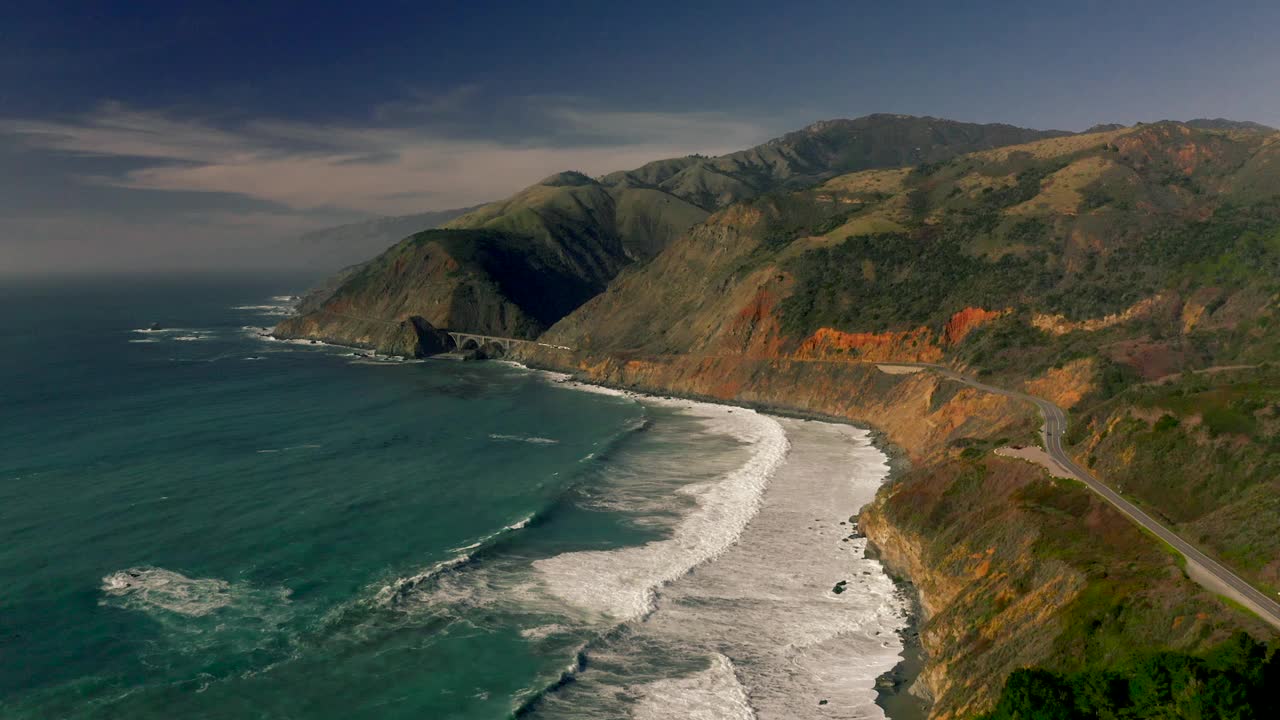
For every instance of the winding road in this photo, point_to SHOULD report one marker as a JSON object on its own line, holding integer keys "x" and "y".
{"x": 1200, "y": 567}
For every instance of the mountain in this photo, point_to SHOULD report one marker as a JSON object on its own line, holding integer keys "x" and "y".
{"x": 331, "y": 249}
{"x": 1131, "y": 276}
{"x": 818, "y": 152}
{"x": 582, "y": 232}
{"x": 1067, "y": 231}
{"x": 1224, "y": 124}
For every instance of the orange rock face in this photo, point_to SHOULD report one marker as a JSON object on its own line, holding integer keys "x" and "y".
{"x": 966, "y": 321}
{"x": 911, "y": 346}
{"x": 1065, "y": 386}
{"x": 754, "y": 330}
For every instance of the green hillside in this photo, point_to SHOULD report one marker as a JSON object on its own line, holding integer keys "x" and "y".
{"x": 593, "y": 228}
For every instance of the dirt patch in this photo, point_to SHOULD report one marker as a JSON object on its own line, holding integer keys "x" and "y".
{"x": 1037, "y": 456}
{"x": 898, "y": 369}
{"x": 1065, "y": 386}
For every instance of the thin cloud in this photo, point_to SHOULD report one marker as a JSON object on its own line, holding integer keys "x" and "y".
{"x": 374, "y": 169}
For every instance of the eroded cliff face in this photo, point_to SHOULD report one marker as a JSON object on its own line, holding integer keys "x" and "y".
{"x": 1014, "y": 570}
{"x": 923, "y": 414}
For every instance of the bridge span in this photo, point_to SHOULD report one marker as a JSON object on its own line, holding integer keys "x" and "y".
{"x": 469, "y": 341}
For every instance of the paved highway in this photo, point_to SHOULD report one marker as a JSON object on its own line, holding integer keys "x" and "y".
{"x": 1055, "y": 424}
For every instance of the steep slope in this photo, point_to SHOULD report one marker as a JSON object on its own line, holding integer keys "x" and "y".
{"x": 450, "y": 279}
{"x": 1089, "y": 231}
{"x": 595, "y": 228}
{"x": 1078, "y": 268}
{"x": 332, "y": 249}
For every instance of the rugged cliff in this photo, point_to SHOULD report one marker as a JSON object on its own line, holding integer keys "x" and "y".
{"x": 1078, "y": 268}
{"x": 570, "y": 235}
{"x": 1081, "y": 268}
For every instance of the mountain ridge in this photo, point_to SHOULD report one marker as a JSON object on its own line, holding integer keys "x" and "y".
{"x": 594, "y": 228}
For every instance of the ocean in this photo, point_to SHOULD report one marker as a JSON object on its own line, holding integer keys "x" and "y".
{"x": 199, "y": 522}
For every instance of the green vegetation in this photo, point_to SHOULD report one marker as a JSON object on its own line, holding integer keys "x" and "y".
{"x": 916, "y": 281}
{"x": 1052, "y": 577}
{"x": 1209, "y": 463}
{"x": 1239, "y": 680}
{"x": 963, "y": 248}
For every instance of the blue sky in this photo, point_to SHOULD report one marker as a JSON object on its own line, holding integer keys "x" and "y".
{"x": 151, "y": 134}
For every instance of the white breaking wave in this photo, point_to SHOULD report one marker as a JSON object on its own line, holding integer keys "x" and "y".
{"x": 713, "y": 694}
{"x": 152, "y": 587}
{"x": 177, "y": 334}
{"x": 769, "y": 602}
{"x": 622, "y": 583}
{"x": 542, "y": 632}
{"x": 271, "y": 309}
{"x": 525, "y": 439}
{"x": 392, "y": 593}
{"x": 279, "y": 305}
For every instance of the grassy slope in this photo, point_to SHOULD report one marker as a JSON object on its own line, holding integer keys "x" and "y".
{"x": 1203, "y": 452}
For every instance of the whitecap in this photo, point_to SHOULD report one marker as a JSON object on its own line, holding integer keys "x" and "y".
{"x": 281, "y": 310}
{"x": 161, "y": 331}
{"x": 391, "y": 594}
{"x": 532, "y": 439}
{"x": 542, "y": 632}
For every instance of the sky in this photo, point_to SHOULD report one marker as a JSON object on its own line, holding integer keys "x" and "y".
{"x": 149, "y": 135}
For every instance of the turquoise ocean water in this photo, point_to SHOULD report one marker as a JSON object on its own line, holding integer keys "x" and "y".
{"x": 198, "y": 523}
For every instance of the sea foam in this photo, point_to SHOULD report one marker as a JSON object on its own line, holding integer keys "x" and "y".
{"x": 713, "y": 694}
{"x": 622, "y": 583}
{"x": 768, "y": 603}
{"x": 153, "y": 587}
{"x": 532, "y": 439}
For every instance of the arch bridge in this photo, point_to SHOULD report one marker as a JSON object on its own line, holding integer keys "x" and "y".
{"x": 469, "y": 341}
